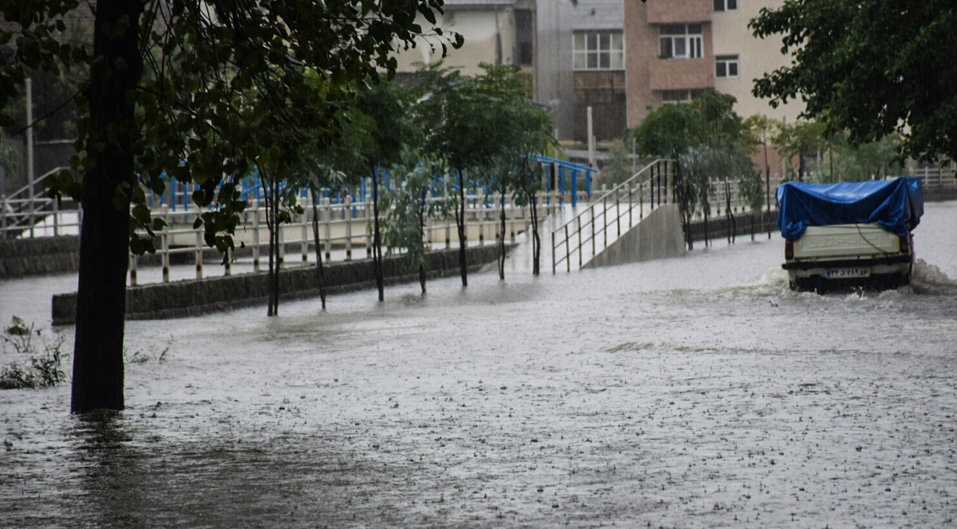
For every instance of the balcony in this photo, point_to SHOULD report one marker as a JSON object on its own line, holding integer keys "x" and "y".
{"x": 681, "y": 74}
{"x": 687, "y": 11}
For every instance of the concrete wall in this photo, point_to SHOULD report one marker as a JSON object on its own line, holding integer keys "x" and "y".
{"x": 188, "y": 298}
{"x": 40, "y": 256}
{"x": 657, "y": 236}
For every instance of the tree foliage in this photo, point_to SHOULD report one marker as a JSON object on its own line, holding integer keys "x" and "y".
{"x": 870, "y": 67}
{"x": 709, "y": 140}
{"x": 202, "y": 91}
{"x": 472, "y": 121}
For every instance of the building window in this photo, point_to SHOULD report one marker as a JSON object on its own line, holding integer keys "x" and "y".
{"x": 726, "y": 66}
{"x": 599, "y": 50}
{"x": 681, "y": 41}
{"x": 679, "y": 96}
{"x": 725, "y": 5}
{"x": 524, "y": 37}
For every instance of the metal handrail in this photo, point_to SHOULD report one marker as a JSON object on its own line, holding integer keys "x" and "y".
{"x": 21, "y": 210}
{"x": 586, "y": 228}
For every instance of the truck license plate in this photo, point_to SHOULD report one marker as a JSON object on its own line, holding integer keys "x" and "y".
{"x": 847, "y": 273}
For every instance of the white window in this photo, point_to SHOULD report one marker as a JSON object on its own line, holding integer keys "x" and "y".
{"x": 680, "y": 41}
{"x": 726, "y": 66}
{"x": 725, "y": 5}
{"x": 599, "y": 50}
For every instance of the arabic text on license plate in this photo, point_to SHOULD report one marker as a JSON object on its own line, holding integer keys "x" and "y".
{"x": 847, "y": 273}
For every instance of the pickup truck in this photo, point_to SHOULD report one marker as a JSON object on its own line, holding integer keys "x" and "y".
{"x": 849, "y": 234}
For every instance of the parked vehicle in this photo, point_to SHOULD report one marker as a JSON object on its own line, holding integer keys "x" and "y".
{"x": 849, "y": 234}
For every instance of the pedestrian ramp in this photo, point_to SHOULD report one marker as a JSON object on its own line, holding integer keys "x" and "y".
{"x": 636, "y": 220}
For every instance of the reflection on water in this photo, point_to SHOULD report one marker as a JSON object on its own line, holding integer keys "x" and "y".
{"x": 110, "y": 476}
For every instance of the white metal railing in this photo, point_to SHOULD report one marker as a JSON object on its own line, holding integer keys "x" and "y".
{"x": 344, "y": 229}
{"x": 26, "y": 212}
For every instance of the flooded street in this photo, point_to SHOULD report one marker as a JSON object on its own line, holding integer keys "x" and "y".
{"x": 696, "y": 392}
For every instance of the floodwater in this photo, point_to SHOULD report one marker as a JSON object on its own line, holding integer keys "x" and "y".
{"x": 690, "y": 392}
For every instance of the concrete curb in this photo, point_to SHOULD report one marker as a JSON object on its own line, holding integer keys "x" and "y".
{"x": 186, "y": 298}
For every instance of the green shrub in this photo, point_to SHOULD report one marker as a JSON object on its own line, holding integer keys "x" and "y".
{"x": 43, "y": 369}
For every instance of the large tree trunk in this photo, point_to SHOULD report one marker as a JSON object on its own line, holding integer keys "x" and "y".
{"x": 104, "y": 239}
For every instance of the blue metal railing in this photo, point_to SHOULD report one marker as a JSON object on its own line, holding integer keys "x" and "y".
{"x": 561, "y": 178}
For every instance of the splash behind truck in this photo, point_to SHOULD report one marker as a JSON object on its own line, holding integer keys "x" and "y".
{"x": 849, "y": 234}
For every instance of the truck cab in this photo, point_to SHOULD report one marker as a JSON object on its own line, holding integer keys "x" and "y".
{"x": 853, "y": 234}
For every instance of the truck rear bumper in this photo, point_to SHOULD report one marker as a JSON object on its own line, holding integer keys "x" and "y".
{"x": 879, "y": 273}
{"x": 798, "y": 264}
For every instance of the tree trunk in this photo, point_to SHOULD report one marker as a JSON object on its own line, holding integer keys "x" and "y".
{"x": 315, "y": 235}
{"x": 423, "y": 203}
{"x": 271, "y": 197}
{"x": 377, "y": 238}
{"x": 501, "y": 240}
{"x": 104, "y": 240}
{"x": 278, "y": 248}
{"x": 460, "y": 224}
{"x": 536, "y": 240}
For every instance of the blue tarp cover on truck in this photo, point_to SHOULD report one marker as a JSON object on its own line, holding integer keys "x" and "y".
{"x": 896, "y": 205}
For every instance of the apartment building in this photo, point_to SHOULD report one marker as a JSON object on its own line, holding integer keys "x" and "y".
{"x": 573, "y": 53}
{"x": 497, "y": 32}
{"x": 676, "y": 49}
{"x": 580, "y": 63}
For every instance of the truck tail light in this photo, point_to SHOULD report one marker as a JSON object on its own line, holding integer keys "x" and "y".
{"x": 905, "y": 244}
{"x": 788, "y": 249}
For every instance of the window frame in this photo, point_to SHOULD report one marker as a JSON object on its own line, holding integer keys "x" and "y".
{"x": 729, "y": 62}
{"x": 598, "y": 51}
{"x": 688, "y": 37}
{"x": 721, "y": 6}
{"x": 678, "y": 97}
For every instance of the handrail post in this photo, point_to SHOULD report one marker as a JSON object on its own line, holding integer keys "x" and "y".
{"x": 568, "y": 260}
{"x": 281, "y": 240}
{"x": 554, "y": 253}
{"x": 630, "y": 204}
{"x": 199, "y": 253}
{"x": 56, "y": 217}
{"x": 604, "y": 222}
{"x": 618, "y": 210}
{"x": 579, "y": 242}
{"x": 659, "y": 188}
{"x": 593, "y": 222}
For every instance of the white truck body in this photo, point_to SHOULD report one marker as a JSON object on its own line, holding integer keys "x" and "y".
{"x": 842, "y": 255}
